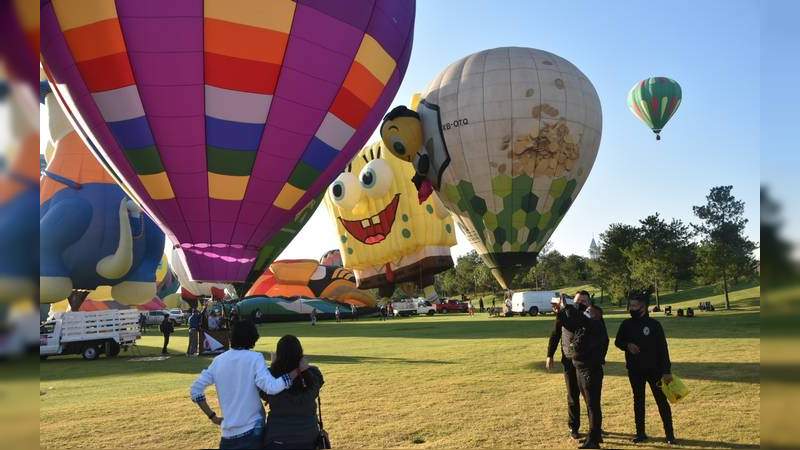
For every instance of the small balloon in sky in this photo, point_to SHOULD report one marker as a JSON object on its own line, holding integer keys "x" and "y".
{"x": 654, "y": 101}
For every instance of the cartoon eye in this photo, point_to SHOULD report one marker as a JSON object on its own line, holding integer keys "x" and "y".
{"x": 344, "y": 191}
{"x": 376, "y": 178}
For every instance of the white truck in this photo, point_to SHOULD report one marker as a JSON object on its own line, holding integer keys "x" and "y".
{"x": 424, "y": 307}
{"x": 532, "y": 302}
{"x": 405, "y": 307}
{"x": 89, "y": 333}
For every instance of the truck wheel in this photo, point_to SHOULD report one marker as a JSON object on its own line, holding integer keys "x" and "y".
{"x": 90, "y": 353}
{"x": 113, "y": 349}
{"x": 534, "y": 311}
{"x": 430, "y": 312}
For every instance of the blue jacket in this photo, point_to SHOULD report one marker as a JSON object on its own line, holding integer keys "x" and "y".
{"x": 194, "y": 321}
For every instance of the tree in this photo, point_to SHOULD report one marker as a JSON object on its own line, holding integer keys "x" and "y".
{"x": 575, "y": 269}
{"x": 724, "y": 252}
{"x": 653, "y": 258}
{"x": 614, "y": 272}
{"x": 776, "y": 263}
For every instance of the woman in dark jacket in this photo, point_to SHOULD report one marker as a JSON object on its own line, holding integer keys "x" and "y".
{"x": 292, "y": 419}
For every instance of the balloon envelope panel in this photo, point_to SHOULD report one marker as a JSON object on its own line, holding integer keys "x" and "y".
{"x": 225, "y": 119}
{"x": 520, "y": 129}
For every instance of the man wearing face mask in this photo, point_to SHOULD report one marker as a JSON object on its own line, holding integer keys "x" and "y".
{"x": 584, "y": 339}
{"x": 647, "y": 360}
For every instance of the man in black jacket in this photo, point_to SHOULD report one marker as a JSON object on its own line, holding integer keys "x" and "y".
{"x": 570, "y": 376}
{"x": 647, "y": 360}
{"x": 166, "y": 329}
{"x": 584, "y": 339}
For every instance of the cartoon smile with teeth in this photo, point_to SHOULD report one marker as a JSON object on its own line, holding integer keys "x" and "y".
{"x": 386, "y": 236}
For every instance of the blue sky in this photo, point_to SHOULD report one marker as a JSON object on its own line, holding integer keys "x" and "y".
{"x": 711, "y": 48}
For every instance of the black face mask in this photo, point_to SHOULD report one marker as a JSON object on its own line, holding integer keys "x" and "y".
{"x": 582, "y": 307}
{"x": 635, "y": 314}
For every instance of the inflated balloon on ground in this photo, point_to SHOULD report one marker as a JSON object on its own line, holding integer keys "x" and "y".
{"x": 225, "y": 119}
{"x": 507, "y": 137}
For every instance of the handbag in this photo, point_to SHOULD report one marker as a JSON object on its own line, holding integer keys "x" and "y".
{"x": 323, "y": 440}
{"x": 674, "y": 391}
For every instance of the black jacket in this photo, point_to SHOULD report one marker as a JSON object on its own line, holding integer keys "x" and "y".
{"x": 166, "y": 327}
{"x": 649, "y": 336}
{"x": 292, "y": 418}
{"x": 584, "y": 340}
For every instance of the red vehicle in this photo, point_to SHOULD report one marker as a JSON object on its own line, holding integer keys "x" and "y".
{"x": 451, "y": 306}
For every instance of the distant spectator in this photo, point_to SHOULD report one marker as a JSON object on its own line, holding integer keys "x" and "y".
{"x": 142, "y": 323}
{"x": 480, "y": 304}
{"x": 313, "y": 316}
{"x": 213, "y": 321}
{"x": 338, "y": 315}
{"x": 166, "y": 329}
{"x": 194, "y": 332}
{"x": 353, "y": 312}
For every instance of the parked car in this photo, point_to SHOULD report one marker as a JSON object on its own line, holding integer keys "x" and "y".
{"x": 178, "y": 316}
{"x": 532, "y": 302}
{"x": 156, "y": 317}
{"x": 424, "y": 307}
{"x": 451, "y": 306}
{"x": 89, "y": 333}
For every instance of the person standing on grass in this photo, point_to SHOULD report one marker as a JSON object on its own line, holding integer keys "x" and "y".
{"x": 166, "y": 329}
{"x": 338, "y": 315}
{"x": 584, "y": 339}
{"x": 194, "y": 332}
{"x": 313, "y": 316}
{"x": 238, "y": 374}
{"x": 292, "y": 421}
{"x": 647, "y": 360}
{"x": 353, "y": 312}
{"x": 570, "y": 375}
{"x": 480, "y": 304}
{"x": 142, "y": 323}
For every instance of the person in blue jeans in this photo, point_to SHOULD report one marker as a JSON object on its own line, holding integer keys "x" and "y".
{"x": 238, "y": 374}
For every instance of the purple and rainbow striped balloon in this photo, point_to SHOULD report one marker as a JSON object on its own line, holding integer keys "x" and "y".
{"x": 224, "y": 118}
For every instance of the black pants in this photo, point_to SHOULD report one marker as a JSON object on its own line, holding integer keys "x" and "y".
{"x": 638, "y": 380}
{"x": 590, "y": 383}
{"x": 573, "y": 395}
{"x": 166, "y": 342}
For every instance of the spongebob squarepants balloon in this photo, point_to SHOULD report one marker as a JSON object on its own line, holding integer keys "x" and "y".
{"x": 507, "y": 137}
{"x": 387, "y": 237}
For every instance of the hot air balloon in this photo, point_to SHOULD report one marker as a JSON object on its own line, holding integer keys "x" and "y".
{"x": 386, "y": 237}
{"x": 91, "y": 234}
{"x": 226, "y": 119}
{"x": 654, "y": 101}
{"x": 507, "y": 137}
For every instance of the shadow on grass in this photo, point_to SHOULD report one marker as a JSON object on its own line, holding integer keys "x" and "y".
{"x": 707, "y": 371}
{"x": 657, "y": 442}
{"x": 74, "y": 367}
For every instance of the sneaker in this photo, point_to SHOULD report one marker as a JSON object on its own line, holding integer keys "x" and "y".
{"x": 589, "y": 443}
{"x": 639, "y": 439}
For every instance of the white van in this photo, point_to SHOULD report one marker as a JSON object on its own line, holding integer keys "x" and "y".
{"x": 532, "y": 302}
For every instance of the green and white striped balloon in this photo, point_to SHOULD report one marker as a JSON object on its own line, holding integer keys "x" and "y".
{"x": 654, "y": 101}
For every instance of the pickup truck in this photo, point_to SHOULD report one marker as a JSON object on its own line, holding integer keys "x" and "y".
{"x": 451, "y": 306}
{"x": 89, "y": 333}
{"x": 424, "y": 307}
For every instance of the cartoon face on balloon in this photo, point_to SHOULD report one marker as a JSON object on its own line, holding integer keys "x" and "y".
{"x": 383, "y": 230}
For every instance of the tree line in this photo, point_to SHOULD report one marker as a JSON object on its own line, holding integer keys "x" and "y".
{"x": 661, "y": 254}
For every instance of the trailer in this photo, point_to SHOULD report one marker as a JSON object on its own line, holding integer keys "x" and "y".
{"x": 89, "y": 334}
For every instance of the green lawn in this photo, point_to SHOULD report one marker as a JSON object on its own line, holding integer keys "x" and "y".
{"x": 428, "y": 382}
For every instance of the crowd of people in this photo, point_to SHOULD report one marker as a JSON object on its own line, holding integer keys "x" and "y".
{"x": 290, "y": 387}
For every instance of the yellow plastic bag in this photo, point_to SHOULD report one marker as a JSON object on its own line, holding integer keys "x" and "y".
{"x": 675, "y": 391}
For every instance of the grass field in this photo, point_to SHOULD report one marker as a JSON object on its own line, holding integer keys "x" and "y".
{"x": 428, "y": 382}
